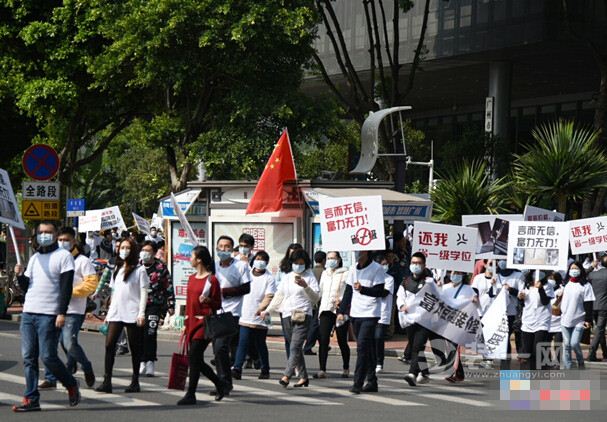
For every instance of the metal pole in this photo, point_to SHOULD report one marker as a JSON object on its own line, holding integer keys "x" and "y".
{"x": 17, "y": 255}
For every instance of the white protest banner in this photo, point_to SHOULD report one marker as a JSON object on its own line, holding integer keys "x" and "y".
{"x": 110, "y": 218}
{"x": 142, "y": 223}
{"x": 9, "y": 209}
{"x": 89, "y": 222}
{"x": 185, "y": 200}
{"x": 495, "y": 328}
{"x": 493, "y": 229}
{"x": 156, "y": 221}
{"x": 588, "y": 235}
{"x": 184, "y": 222}
{"x": 538, "y": 245}
{"x": 354, "y": 223}
{"x": 446, "y": 247}
{"x": 540, "y": 214}
{"x": 439, "y": 313}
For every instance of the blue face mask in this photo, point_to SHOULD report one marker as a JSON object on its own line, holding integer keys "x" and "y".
{"x": 45, "y": 239}
{"x": 298, "y": 268}
{"x": 224, "y": 255}
{"x": 456, "y": 278}
{"x": 260, "y": 265}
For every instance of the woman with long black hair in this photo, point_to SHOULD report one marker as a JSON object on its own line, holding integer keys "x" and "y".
{"x": 284, "y": 268}
{"x": 127, "y": 309}
{"x": 203, "y": 299}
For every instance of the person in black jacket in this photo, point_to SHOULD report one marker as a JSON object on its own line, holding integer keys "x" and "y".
{"x": 598, "y": 280}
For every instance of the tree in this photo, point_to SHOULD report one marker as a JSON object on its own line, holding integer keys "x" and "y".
{"x": 467, "y": 189}
{"x": 565, "y": 163}
{"x": 202, "y": 66}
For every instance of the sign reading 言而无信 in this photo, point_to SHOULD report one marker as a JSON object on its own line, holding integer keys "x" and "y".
{"x": 352, "y": 223}
{"x": 446, "y": 247}
{"x": 538, "y": 245}
{"x": 588, "y": 235}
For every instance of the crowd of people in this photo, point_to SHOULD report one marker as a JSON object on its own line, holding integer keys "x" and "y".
{"x": 315, "y": 297}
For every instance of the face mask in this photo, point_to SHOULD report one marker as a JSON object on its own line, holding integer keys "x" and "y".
{"x": 65, "y": 245}
{"x": 224, "y": 255}
{"x": 298, "y": 268}
{"x": 245, "y": 250}
{"x": 501, "y": 265}
{"x": 124, "y": 253}
{"x": 587, "y": 265}
{"x": 45, "y": 239}
{"x": 552, "y": 282}
{"x": 145, "y": 256}
{"x": 457, "y": 278}
{"x": 386, "y": 267}
{"x": 332, "y": 263}
{"x": 153, "y": 234}
{"x": 415, "y": 269}
{"x": 260, "y": 265}
{"x": 356, "y": 255}
{"x": 574, "y": 273}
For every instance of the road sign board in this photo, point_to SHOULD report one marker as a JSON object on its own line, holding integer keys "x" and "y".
{"x": 40, "y": 210}
{"x": 76, "y": 207}
{"x": 40, "y": 162}
{"x": 41, "y": 191}
{"x": 489, "y": 114}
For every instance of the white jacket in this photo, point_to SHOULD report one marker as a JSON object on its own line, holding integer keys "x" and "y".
{"x": 332, "y": 288}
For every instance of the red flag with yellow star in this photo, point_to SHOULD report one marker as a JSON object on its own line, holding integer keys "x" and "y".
{"x": 280, "y": 168}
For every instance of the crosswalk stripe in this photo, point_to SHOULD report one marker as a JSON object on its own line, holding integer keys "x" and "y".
{"x": 451, "y": 388}
{"x": 157, "y": 374}
{"x": 155, "y": 388}
{"x": 11, "y": 399}
{"x": 455, "y": 399}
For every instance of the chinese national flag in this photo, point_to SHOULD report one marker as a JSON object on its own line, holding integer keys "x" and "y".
{"x": 279, "y": 169}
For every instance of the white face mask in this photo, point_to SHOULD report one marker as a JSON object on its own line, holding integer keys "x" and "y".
{"x": 552, "y": 282}
{"x": 124, "y": 253}
{"x": 260, "y": 265}
{"x": 501, "y": 265}
{"x": 65, "y": 244}
{"x": 456, "y": 278}
{"x": 245, "y": 250}
{"x": 146, "y": 256}
{"x": 45, "y": 239}
{"x": 574, "y": 273}
{"x": 298, "y": 268}
{"x": 332, "y": 263}
{"x": 386, "y": 267}
{"x": 415, "y": 269}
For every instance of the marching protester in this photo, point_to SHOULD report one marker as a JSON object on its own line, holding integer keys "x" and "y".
{"x": 105, "y": 249}
{"x": 85, "y": 282}
{"x": 161, "y": 300}
{"x": 513, "y": 282}
{"x": 253, "y": 328}
{"x": 485, "y": 284}
{"x": 47, "y": 283}
{"x": 332, "y": 288}
{"x": 381, "y": 329}
{"x": 235, "y": 282}
{"x": 284, "y": 268}
{"x": 203, "y": 299}
{"x": 598, "y": 280}
{"x": 576, "y": 313}
{"x": 365, "y": 286}
{"x": 405, "y": 299}
{"x": 153, "y": 236}
{"x": 129, "y": 285}
{"x": 555, "y": 337}
{"x": 295, "y": 297}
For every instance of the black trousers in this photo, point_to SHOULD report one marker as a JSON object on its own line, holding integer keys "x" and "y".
{"x": 364, "y": 330}
{"x": 530, "y": 348}
{"x": 599, "y": 337}
{"x": 312, "y": 331}
{"x": 410, "y": 332}
{"x": 224, "y": 349}
{"x": 198, "y": 365}
{"x": 150, "y": 333}
{"x": 380, "y": 342}
{"x": 419, "y": 337}
{"x": 135, "y": 338}
{"x": 326, "y": 324}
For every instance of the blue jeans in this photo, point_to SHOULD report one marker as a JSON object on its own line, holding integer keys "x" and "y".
{"x": 248, "y": 335}
{"x": 68, "y": 339}
{"x": 571, "y": 340}
{"x": 39, "y": 338}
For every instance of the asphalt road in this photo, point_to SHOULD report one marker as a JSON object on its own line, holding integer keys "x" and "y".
{"x": 477, "y": 399}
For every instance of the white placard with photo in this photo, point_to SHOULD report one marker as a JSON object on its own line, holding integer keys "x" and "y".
{"x": 535, "y": 245}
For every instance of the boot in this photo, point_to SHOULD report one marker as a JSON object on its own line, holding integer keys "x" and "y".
{"x": 106, "y": 385}
{"x": 134, "y": 386}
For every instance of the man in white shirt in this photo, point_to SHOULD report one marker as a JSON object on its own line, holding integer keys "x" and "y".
{"x": 47, "y": 283}
{"x": 235, "y": 281}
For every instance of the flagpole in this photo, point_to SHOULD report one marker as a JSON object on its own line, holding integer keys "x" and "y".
{"x": 17, "y": 255}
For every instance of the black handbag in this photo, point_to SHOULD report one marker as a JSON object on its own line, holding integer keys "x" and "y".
{"x": 220, "y": 325}
{"x": 90, "y": 305}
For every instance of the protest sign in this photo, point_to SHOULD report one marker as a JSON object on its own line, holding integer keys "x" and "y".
{"x": 540, "y": 214}
{"x": 495, "y": 328}
{"x": 9, "y": 209}
{"x": 181, "y": 254}
{"x": 142, "y": 223}
{"x": 538, "y": 245}
{"x": 89, "y": 222}
{"x": 184, "y": 222}
{"x": 110, "y": 218}
{"x": 492, "y": 236}
{"x": 184, "y": 199}
{"x": 352, "y": 223}
{"x": 439, "y": 313}
{"x": 588, "y": 235}
{"x": 446, "y": 247}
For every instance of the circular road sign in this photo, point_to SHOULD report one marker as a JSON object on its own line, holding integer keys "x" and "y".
{"x": 40, "y": 162}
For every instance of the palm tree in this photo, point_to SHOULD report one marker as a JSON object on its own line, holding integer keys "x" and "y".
{"x": 564, "y": 164}
{"x": 467, "y": 189}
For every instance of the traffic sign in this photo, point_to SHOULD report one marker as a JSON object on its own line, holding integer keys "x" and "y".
{"x": 40, "y": 162}
{"x": 40, "y": 210}
{"x": 76, "y": 207}
{"x": 41, "y": 191}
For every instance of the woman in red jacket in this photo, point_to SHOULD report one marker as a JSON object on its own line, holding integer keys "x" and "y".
{"x": 203, "y": 299}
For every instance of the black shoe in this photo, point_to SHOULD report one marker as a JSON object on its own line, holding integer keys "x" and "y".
{"x": 236, "y": 374}
{"x": 74, "y": 395}
{"x": 213, "y": 362}
{"x": 133, "y": 388}
{"x": 27, "y": 405}
{"x": 410, "y": 378}
{"x": 89, "y": 378}
{"x": 220, "y": 393}
{"x": 225, "y": 392}
{"x": 284, "y": 383}
{"x": 301, "y": 383}
{"x": 123, "y": 351}
{"x": 310, "y": 353}
{"x": 370, "y": 388}
{"x": 187, "y": 400}
{"x": 46, "y": 385}
{"x": 264, "y": 376}
{"x": 355, "y": 390}
{"x": 594, "y": 359}
{"x": 105, "y": 387}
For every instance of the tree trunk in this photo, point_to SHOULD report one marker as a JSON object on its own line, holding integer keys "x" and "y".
{"x": 562, "y": 204}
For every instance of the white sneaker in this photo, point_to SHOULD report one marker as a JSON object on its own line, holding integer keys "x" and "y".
{"x": 142, "y": 368}
{"x": 422, "y": 379}
{"x": 149, "y": 368}
{"x": 379, "y": 369}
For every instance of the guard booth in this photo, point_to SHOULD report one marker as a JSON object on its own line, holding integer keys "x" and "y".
{"x": 216, "y": 208}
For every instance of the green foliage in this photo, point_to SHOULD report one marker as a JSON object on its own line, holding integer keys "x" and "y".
{"x": 564, "y": 164}
{"x": 467, "y": 189}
